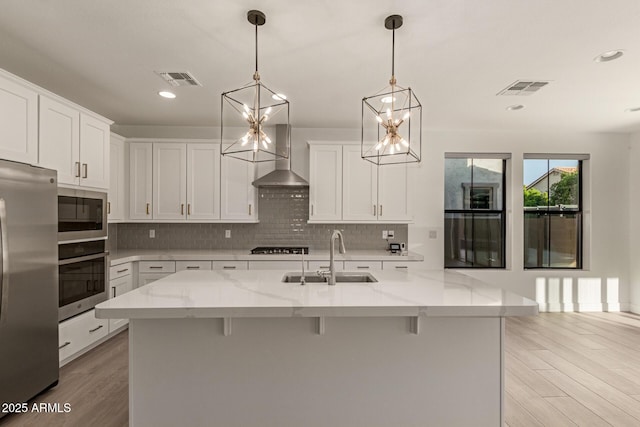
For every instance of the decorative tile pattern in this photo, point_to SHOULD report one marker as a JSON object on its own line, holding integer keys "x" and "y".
{"x": 283, "y": 222}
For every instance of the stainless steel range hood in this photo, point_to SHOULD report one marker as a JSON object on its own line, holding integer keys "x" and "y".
{"x": 283, "y": 176}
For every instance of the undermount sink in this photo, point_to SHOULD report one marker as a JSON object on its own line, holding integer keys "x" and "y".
{"x": 341, "y": 276}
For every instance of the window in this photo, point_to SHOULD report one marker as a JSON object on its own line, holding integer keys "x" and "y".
{"x": 474, "y": 216}
{"x": 552, "y": 213}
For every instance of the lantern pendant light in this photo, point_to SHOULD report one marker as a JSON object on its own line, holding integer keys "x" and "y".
{"x": 392, "y": 118}
{"x": 246, "y": 112}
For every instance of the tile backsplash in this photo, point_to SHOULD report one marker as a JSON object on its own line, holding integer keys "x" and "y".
{"x": 283, "y": 214}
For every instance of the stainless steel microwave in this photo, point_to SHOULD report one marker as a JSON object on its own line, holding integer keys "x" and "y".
{"x": 82, "y": 214}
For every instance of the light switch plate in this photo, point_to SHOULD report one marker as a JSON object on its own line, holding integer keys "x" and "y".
{"x": 227, "y": 234}
{"x": 384, "y": 234}
{"x": 152, "y": 234}
{"x": 391, "y": 234}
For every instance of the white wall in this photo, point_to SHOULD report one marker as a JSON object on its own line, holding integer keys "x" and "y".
{"x": 603, "y": 284}
{"x": 634, "y": 226}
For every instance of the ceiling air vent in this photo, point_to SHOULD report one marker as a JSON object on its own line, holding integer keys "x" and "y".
{"x": 179, "y": 78}
{"x": 524, "y": 87}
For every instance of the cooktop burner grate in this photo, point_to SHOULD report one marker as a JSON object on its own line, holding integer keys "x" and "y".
{"x": 280, "y": 250}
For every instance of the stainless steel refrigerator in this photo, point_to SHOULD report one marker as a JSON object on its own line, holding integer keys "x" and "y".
{"x": 28, "y": 281}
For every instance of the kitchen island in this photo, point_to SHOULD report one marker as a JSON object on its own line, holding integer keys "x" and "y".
{"x": 242, "y": 348}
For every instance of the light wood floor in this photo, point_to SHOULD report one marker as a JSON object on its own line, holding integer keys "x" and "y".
{"x": 562, "y": 369}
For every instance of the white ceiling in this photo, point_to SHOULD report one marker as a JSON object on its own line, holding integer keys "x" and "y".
{"x": 327, "y": 54}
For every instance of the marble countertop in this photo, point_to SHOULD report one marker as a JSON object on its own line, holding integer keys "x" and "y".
{"x": 128, "y": 255}
{"x": 261, "y": 293}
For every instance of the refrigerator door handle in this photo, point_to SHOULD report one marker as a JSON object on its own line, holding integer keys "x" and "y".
{"x": 4, "y": 260}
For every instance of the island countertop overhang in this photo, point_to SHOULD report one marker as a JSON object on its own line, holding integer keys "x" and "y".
{"x": 261, "y": 293}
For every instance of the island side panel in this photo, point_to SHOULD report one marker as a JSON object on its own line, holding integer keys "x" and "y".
{"x": 280, "y": 372}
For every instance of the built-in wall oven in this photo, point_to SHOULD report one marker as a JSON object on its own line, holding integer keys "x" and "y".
{"x": 82, "y": 214}
{"x": 82, "y": 269}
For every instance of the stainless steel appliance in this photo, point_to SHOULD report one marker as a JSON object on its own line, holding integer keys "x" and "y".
{"x": 280, "y": 250}
{"x": 28, "y": 282}
{"x": 82, "y": 214}
{"x": 82, "y": 277}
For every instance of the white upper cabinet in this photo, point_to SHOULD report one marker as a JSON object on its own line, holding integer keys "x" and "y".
{"x": 345, "y": 188}
{"x": 169, "y": 181}
{"x": 238, "y": 195}
{"x": 140, "y": 180}
{"x": 95, "y": 139}
{"x": 203, "y": 181}
{"x": 74, "y": 143}
{"x": 325, "y": 183}
{"x": 179, "y": 181}
{"x": 392, "y": 193}
{"x": 18, "y": 122}
{"x": 60, "y": 140}
{"x": 117, "y": 177}
{"x": 359, "y": 188}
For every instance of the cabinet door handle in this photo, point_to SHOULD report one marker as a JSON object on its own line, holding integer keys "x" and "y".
{"x": 60, "y": 347}
{"x": 363, "y": 267}
{"x": 311, "y": 210}
{"x": 108, "y": 207}
{"x": 113, "y": 289}
{"x": 155, "y": 267}
{"x": 77, "y": 169}
{"x": 402, "y": 266}
{"x": 229, "y": 267}
{"x": 85, "y": 173}
{"x": 147, "y": 208}
{"x": 380, "y": 210}
{"x": 374, "y": 210}
{"x": 182, "y": 209}
{"x": 122, "y": 271}
{"x": 95, "y": 329}
{"x": 249, "y": 209}
{"x": 188, "y": 208}
{"x": 193, "y": 267}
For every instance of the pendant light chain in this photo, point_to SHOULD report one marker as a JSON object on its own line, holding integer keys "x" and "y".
{"x": 256, "y": 76}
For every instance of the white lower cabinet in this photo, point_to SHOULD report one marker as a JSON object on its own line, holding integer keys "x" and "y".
{"x": 324, "y": 265}
{"x": 193, "y": 265}
{"x": 119, "y": 286}
{"x": 79, "y": 333}
{"x": 150, "y": 271}
{"x": 396, "y": 265}
{"x": 276, "y": 265}
{"x": 362, "y": 265}
{"x": 230, "y": 265}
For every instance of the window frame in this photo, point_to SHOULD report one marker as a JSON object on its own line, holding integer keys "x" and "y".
{"x": 467, "y": 190}
{"x": 558, "y": 211}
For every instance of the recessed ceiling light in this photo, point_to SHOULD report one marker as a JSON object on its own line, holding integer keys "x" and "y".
{"x": 279, "y": 97}
{"x": 515, "y": 107}
{"x": 632, "y": 110}
{"x": 167, "y": 94}
{"x": 609, "y": 56}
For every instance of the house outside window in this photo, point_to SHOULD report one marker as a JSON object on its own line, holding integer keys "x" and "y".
{"x": 553, "y": 212}
{"x": 475, "y": 210}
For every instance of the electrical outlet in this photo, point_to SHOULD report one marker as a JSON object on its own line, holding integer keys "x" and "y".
{"x": 391, "y": 234}
{"x": 152, "y": 234}
{"x": 227, "y": 234}
{"x": 385, "y": 234}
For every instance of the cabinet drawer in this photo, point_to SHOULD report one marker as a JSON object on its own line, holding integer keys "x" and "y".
{"x": 362, "y": 265}
{"x": 324, "y": 265}
{"x": 193, "y": 265}
{"x": 146, "y": 278}
{"x": 79, "y": 332}
{"x": 275, "y": 265}
{"x": 157, "y": 267}
{"x": 120, "y": 270}
{"x": 395, "y": 265}
{"x": 230, "y": 265}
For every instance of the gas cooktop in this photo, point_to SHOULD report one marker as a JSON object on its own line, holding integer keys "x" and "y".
{"x": 280, "y": 250}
